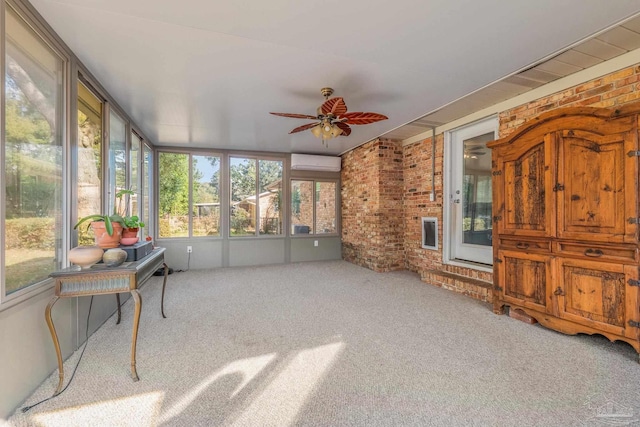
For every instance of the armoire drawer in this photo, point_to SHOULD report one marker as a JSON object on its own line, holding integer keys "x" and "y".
{"x": 525, "y": 244}
{"x": 599, "y": 252}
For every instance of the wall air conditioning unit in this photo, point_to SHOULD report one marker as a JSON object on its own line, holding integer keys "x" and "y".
{"x": 307, "y": 162}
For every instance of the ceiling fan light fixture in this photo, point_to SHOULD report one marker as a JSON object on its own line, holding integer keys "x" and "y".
{"x": 317, "y": 131}
{"x": 334, "y": 120}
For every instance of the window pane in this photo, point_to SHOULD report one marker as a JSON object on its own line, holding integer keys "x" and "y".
{"x": 117, "y": 157}
{"x": 173, "y": 213}
{"x": 89, "y": 159}
{"x": 243, "y": 196}
{"x": 206, "y": 196}
{"x": 476, "y": 197}
{"x": 134, "y": 179}
{"x": 147, "y": 185}
{"x": 325, "y": 207}
{"x": 33, "y": 157}
{"x": 302, "y": 207}
{"x": 270, "y": 192}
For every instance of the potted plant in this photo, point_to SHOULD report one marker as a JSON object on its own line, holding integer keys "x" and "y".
{"x": 107, "y": 229}
{"x": 132, "y": 225}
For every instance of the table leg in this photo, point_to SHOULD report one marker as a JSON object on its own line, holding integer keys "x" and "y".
{"x": 164, "y": 284}
{"x": 134, "y": 338}
{"x": 119, "y": 314}
{"x": 56, "y": 344}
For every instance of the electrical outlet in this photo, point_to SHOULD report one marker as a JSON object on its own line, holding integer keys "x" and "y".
{"x": 315, "y": 243}
{"x": 189, "y": 249}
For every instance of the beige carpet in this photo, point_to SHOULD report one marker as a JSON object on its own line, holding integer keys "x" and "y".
{"x": 333, "y": 344}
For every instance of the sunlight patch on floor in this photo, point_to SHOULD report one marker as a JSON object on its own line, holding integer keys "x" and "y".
{"x": 248, "y": 368}
{"x": 281, "y": 400}
{"x": 136, "y": 411}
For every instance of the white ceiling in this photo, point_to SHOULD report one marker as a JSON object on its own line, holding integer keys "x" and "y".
{"x": 205, "y": 74}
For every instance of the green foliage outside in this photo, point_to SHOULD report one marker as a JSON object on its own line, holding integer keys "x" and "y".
{"x": 33, "y": 171}
{"x": 24, "y": 123}
{"x": 30, "y": 233}
{"x": 240, "y": 221}
{"x": 174, "y": 184}
{"x": 243, "y": 177}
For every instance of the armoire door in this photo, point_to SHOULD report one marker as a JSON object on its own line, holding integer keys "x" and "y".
{"x": 597, "y": 186}
{"x": 598, "y": 295}
{"x": 524, "y": 185}
{"x": 525, "y": 279}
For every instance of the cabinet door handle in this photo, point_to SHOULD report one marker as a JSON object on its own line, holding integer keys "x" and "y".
{"x": 521, "y": 245}
{"x": 558, "y": 291}
{"x": 593, "y": 253}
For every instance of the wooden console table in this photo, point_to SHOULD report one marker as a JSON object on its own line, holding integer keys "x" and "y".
{"x": 100, "y": 280}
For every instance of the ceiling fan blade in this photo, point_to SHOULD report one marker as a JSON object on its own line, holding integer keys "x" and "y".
{"x": 304, "y": 127}
{"x": 335, "y": 106}
{"x": 360, "y": 118}
{"x": 346, "y": 130}
{"x": 295, "y": 116}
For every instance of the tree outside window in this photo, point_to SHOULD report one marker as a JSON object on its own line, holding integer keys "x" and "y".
{"x": 179, "y": 174}
{"x": 256, "y": 196}
{"x": 173, "y": 182}
{"x": 33, "y": 179}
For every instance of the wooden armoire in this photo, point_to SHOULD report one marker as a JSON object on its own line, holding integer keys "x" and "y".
{"x": 566, "y": 219}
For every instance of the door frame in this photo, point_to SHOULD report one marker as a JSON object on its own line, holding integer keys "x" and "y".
{"x": 484, "y": 125}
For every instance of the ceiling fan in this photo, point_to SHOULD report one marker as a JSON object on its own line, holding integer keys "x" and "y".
{"x": 333, "y": 119}
{"x": 473, "y": 151}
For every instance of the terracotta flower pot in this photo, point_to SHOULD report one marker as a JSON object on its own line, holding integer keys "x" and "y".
{"x": 130, "y": 232}
{"x": 103, "y": 239}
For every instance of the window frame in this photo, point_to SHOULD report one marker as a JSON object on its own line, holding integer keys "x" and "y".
{"x": 257, "y": 157}
{"x": 30, "y": 21}
{"x": 314, "y": 185}
{"x": 189, "y": 154}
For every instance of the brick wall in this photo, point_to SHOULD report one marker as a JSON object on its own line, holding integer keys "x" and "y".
{"x": 618, "y": 88}
{"x": 302, "y": 208}
{"x": 366, "y": 197}
{"x": 326, "y": 207}
{"x": 372, "y": 212}
{"x": 417, "y": 161}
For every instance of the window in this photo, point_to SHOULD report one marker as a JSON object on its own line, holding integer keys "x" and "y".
{"x": 89, "y": 164}
{"x": 147, "y": 185}
{"x": 117, "y": 157}
{"x": 256, "y": 194}
{"x": 134, "y": 174}
{"x": 189, "y": 203}
{"x": 205, "y": 209}
{"x": 173, "y": 180}
{"x": 32, "y": 157}
{"x": 313, "y": 207}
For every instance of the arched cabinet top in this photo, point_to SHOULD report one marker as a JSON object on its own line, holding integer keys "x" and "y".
{"x": 596, "y": 120}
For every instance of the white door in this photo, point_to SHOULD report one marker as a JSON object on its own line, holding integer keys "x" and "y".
{"x": 470, "y": 192}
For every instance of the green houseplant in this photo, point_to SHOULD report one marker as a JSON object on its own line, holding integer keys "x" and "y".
{"x": 131, "y": 226}
{"x": 107, "y": 229}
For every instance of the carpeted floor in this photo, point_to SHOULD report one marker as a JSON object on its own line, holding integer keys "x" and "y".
{"x": 333, "y": 344}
